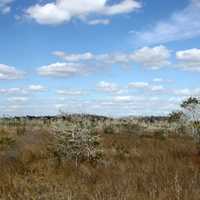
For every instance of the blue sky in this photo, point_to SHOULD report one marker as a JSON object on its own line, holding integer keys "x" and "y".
{"x": 117, "y": 57}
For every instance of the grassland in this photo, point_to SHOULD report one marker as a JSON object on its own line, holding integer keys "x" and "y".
{"x": 122, "y": 159}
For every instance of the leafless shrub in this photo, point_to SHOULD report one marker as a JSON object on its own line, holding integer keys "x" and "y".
{"x": 76, "y": 143}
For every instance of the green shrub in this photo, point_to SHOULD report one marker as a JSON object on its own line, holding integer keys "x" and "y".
{"x": 6, "y": 142}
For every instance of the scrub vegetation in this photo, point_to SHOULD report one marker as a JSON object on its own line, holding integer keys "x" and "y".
{"x": 86, "y": 157}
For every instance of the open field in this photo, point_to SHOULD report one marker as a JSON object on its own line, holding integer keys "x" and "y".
{"x": 99, "y": 99}
{"x": 126, "y": 162}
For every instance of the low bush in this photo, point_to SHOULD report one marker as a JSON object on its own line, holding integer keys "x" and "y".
{"x": 76, "y": 143}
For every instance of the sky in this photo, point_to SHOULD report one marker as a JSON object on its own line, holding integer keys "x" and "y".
{"x": 105, "y": 57}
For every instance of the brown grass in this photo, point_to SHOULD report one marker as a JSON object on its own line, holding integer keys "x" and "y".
{"x": 132, "y": 168}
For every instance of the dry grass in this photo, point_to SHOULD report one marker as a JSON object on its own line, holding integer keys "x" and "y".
{"x": 132, "y": 168}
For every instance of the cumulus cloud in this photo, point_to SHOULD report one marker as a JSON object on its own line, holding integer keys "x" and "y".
{"x": 131, "y": 105}
{"x": 158, "y": 80}
{"x": 5, "y": 6}
{"x": 99, "y": 21}
{"x": 146, "y": 86}
{"x": 151, "y": 57}
{"x": 122, "y": 99}
{"x": 117, "y": 105}
{"x": 186, "y": 92}
{"x": 161, "y": 80}
{"x": 61, "y": 70}
{"x": 189, "y": 59}
{"x": 70, "y": 92}
{"x": 157, "y": 88}
{"x": 88, "y": 57}
{"x": 22, "y": 90}
{"x": 74, "y": 57}
{"x": 138, "y": 85}
{"x": 10, "y": 73}
{"x": 61, "y": 11}
{"x": 18, "y": 99}
{"x": 36, "y": 88}
{"x": 8, "y": 91}
{"x": 108, "y": 87}
{"x": 183, "y": 24}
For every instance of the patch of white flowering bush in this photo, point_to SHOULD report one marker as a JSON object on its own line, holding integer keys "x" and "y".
{"x": 77, "y": 142}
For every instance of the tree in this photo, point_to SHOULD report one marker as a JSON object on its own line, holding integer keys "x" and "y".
{"x": 77, "y": 142}
{"x": 191, "y": 113}
{"x": 191, "y": 101}
{"x": 175, "y": 116}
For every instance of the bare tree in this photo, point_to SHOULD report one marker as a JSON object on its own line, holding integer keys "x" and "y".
{"x": 191, "y": 114}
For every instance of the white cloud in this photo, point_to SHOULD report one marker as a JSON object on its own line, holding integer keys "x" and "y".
{"x": 18, "y": 99}
{"x": 22, "y": 91}
{"x": 125, "y": 6}
{"x": 60, "y": 106}
{"x": 115, "y": 58}
{"x": 108, "y": 87}
{"x": 183, "y": 24}
{"x": 36, "y": 88}
{"x": 62, "y": 11}
{"x": 189, "y": 59}
{"x": 128, "y": 101}
{"x": 61, "y": 70}
{"x": 138, "y": 85}
{"x": 161, "y": 80}
{"x": 9, "y": 91}
{"x": 123, "y": 105}
{"x": 186, "y": 92}
{"x": 99, "y": 21}
{"x": 146, "y": 86}
{"x": 10, "y": 73}
{"x": 122, "y": 99}
{"x": 74, "y": 57}
{"x": 183, "y": 92}
{"x": 5, "y": 6}
{"x": 153, "y": 58}
{"x": 88, "y": 56}
{"x": 176, "y": 99}
{"x": 158, "y": 80}
{"x": 157, "y": 88}
{"x": 70, "y": 92}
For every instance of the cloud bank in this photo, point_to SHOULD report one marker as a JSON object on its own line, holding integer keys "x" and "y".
{"x": 61, "y": 11}
{"x": 10, "y": 73}
{"x": 183, "y": 24}
{"x": 5, "y": 6}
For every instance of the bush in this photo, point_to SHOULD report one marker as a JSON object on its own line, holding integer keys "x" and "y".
{"x": 108, "y": 129}
{"x": 76, "y": 143}
{"x": 6, "y": 142}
